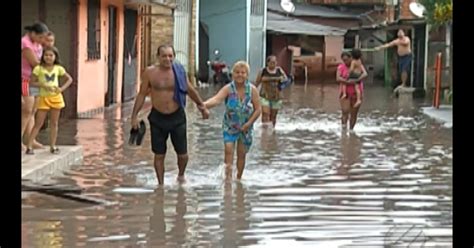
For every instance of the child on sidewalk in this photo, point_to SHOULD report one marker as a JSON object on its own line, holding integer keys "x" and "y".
{"x": 47, "y": 75}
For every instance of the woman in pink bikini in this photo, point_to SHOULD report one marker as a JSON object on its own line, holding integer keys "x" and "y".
{"x": 348, "y": 104}
{"x": 31, "y": 51}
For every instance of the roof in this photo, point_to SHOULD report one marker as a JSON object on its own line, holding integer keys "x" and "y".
{"x": 412, "y": 21}
{"x": 392, "y": 25}
{"x": 311, "y": 10}
{"x": 287, "y": 25}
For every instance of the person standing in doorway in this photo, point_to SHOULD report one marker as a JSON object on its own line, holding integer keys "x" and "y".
{"x": 168, "y": 85}
{"x": 403, "y": 45}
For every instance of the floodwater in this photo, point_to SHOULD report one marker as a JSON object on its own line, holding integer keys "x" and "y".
{"x": 388, "y": 184}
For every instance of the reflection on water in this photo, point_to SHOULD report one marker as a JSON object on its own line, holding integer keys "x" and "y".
{"x": 172, "y": 233}
{"x": 306, "y": 183}
{"x": 235, "y": 215}
{"x": 351, "y": 146}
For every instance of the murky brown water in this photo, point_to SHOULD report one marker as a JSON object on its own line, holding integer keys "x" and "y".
{"x": 387, "y": 185}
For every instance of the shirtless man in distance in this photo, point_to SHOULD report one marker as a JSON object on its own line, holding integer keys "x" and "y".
{"x": 403, "y": 45}
{"x": 167, "y": 117}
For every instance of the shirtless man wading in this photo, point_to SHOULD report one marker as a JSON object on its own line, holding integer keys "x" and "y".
{"x": 168, "y": 84}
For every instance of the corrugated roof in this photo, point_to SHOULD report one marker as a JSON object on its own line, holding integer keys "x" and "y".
{"x": 311, "y": 10}
{"x": 282, "y": 24}
{"x": 392, "y": 25}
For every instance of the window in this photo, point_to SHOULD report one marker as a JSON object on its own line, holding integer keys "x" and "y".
{"x": 93, "y": 29}
{"x": 305, "y": 52}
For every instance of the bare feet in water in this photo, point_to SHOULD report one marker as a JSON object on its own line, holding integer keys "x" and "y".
{"x": 37, "y": 145}
{"x": 344, "y": 127}
{"x": 228, "y": 172}
{"x": 181, "y": 179}
{"x": 398, "y": 88}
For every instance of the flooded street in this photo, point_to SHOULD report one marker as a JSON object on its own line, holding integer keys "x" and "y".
{"x": 388, "y": 184}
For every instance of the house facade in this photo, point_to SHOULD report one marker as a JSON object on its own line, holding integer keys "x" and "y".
{"x": 97, "y": 41}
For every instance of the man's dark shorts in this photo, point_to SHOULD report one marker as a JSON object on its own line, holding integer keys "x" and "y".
{"x": 164, "y": 125}
{"x": 404, "y": 63}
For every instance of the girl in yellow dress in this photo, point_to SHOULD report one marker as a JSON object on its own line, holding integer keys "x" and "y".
{"x": 47, "y": 75}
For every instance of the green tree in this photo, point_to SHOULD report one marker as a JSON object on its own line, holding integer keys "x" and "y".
{"x": 438, "y": 12}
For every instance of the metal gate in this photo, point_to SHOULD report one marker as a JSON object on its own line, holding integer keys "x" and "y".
{"x": 257, "y": 37}
{"x": 182, "y": 24}
{"x": 112, "y": 57}
{"x": 203, "y": 52}
{"x": 130, "y": 56}
{"x": 61, "y": 18}
{"x": 419, "y": 50}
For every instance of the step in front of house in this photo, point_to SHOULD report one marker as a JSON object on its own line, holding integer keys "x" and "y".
{"x": 443, "y": 114}
{"x": 43, "y": 164}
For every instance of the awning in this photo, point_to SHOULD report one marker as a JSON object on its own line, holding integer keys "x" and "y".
{"x": 393, "y": 25}
{"x": 311, "y": 10}
{"x": 286, "y": 25}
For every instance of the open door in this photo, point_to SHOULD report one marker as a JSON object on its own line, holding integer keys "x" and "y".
{"x": 203, "y": 52}
{"x": 112, "y": 57}
{"x": 419, "y": 51}
{"x": 129, "y": 85}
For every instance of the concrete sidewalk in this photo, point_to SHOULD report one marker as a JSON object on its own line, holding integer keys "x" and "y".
{"x": 43, "y": 164}
{"x": 444, "y": 114}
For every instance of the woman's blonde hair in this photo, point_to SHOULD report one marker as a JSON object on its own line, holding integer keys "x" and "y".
{"x": 241, "y": 64}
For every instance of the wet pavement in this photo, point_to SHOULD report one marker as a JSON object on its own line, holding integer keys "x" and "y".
{"x": 388, "y": 184}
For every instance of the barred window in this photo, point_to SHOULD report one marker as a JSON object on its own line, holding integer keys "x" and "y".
{"x": 93, "y": 29}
